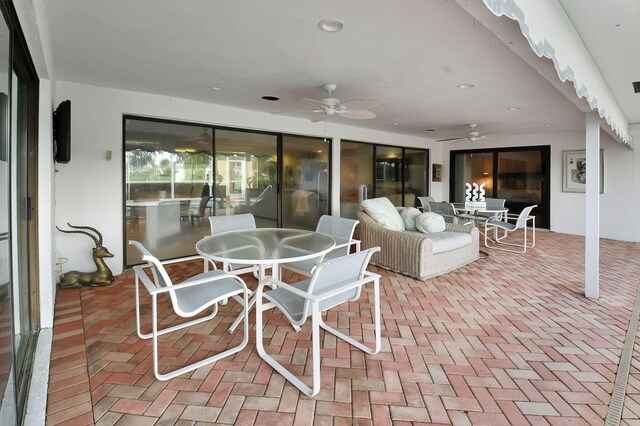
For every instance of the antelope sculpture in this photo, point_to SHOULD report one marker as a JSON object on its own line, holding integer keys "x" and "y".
{"x": 103, "y": 276}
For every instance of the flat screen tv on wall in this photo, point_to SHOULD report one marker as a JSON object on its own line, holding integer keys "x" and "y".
{"x": 62, "y": 132}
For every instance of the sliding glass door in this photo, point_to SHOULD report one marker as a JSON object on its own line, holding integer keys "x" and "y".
{"x": 519, "y": 175}
{"x": 356, "y": 171}
{"x": 168, "y": 176}
{"x": 305, "y": 196}
{"x": 177, "y": 174}
{"x": 246, "y": 179}
{"x": 8, "y": 412}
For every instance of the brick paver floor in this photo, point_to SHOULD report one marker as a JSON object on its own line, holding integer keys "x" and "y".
{"x": 506, "y": 340}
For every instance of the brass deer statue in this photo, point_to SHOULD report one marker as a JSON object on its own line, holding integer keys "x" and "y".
{"x": 103, "y": 276}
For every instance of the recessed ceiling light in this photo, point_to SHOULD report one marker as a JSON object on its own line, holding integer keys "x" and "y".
{"x": 395, "y": 124}
{"x": 513, "y": 108}
{"x": 331, "y": 25}
{"x": 431, "y": 130}
{"x": 271, "y": 98}
{"x": 617, "y": 25}
{"x": 215, "y": 88}
{"x": 636, "y": 86}
{"x": 549, "y": 125}
{"x": 465, "y": 86}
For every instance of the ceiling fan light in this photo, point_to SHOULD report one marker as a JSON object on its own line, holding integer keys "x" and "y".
{"x": 331, "y": 25}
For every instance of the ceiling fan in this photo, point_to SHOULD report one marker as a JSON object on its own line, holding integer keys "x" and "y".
{"x": 472, "y": 135}
{"x": 202, "y": 138}
{"x": 357, "y": 109}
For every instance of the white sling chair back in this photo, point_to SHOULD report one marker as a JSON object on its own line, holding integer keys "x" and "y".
{"x": 333, "y": 282}
{"x": 424, "y": 201}
{"x": 520, "y": 223}
{"x": 448, "y": 212}
{"x": 338, "y": 228}
{"x": 188, "y": 299}
{"x": 236, "y": 222}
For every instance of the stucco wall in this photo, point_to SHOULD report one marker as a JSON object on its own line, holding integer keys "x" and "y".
{"x": 89, "y": 188}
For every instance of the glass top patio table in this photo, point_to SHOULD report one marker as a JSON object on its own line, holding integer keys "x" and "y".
{"x": 265, "y": 246}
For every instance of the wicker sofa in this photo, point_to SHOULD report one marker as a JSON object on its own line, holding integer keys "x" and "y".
{"x": 412, "y": 253}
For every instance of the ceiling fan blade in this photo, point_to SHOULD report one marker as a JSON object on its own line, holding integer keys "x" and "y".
{"x": 451, "y": 139}
{"x": 296, "y": 110}
{"x": 318, "y": 117}
{"x": 313, "y": 102}
{"x": 362, "y": 103}
{"x": 357, "y": 114}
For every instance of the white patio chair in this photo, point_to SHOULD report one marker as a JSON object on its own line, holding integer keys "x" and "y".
{"x": 188, "y": 299}
{"x": 424, "y": 201}
{"x": 236, "y": 222}
{"x": 494, "y": 204}
{"x": 333, "y": 282}
{"x": 338, "y": 228}
{"x": 494, "y": 224}
{"x": 449, "y": 212}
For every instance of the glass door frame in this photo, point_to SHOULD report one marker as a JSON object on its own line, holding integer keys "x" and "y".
{"x": 545, "y": 154}
{"x": 22, "y": 65}
{"x": 403, "y": 168}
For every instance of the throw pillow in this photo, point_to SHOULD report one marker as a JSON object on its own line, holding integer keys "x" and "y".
{"x": 384, "y": 213}
{"x": 409, "y": 216}
{"x": 430, "y": 222}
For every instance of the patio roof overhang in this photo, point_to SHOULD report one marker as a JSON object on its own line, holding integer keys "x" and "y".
{"x": 551, "y": 34}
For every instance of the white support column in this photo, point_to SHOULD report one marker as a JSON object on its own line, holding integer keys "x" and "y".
{"x": 335, "y": 177}
{"x": 592, "y": 208}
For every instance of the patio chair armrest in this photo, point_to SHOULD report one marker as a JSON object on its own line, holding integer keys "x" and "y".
{"x": 369, "y": 278}
{"x": 348, "y": 244}
{"x": 182, "y": 259}
{"x": 139, "y": 271}
{"x": 188, "y": 258}
{"x": 284, "y": 286}
{"x": 154, "y": 290}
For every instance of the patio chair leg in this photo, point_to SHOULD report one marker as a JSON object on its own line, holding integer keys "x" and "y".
{"x": 198, "y": 364}
{"x": 316, "y": 320}
{"x": 376, "y": 321}
{"x": 168, "y": 329}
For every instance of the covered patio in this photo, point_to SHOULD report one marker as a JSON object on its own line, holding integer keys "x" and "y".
{"x": 510, "y": 339}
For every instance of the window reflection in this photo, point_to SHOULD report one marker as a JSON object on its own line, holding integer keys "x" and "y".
{"x": 246, "y": 176}
{"x": 168, "y": 176}
{"x": 306, "y": 181}
{"x": 356, "y": 169}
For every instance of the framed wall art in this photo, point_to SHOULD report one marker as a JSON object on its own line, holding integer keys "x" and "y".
{"x": 574, "y": 171}
{"x": 436, "y": 174}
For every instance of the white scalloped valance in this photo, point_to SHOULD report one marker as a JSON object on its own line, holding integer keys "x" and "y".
{"x": 552, "y": 35}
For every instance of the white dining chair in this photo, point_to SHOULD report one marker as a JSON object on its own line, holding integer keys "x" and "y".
{"x": 338, "y": 228}
{"x": 188, "y": 299}
{"x": 424, "y": 203}
{"x": 236, "y": 222}
{"x": 333, "y": 282}
{"x": 495, "y": 223}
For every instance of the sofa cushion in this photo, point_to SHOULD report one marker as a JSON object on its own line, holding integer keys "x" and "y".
{"x": 384, "y": 213}
{"x": 445, "y": 241}
{"x": 409, "y": 216}
{"x": 430, "y": 222}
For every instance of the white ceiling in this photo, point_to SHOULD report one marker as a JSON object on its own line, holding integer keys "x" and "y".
{"x": 410, "y": 54}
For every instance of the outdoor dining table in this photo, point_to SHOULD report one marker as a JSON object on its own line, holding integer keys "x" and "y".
{"x": 265, "y": 247}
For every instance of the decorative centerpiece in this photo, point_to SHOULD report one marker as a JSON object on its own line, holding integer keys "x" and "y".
{"x": 102, "y": 276}
{"x": 475, "y": 196}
